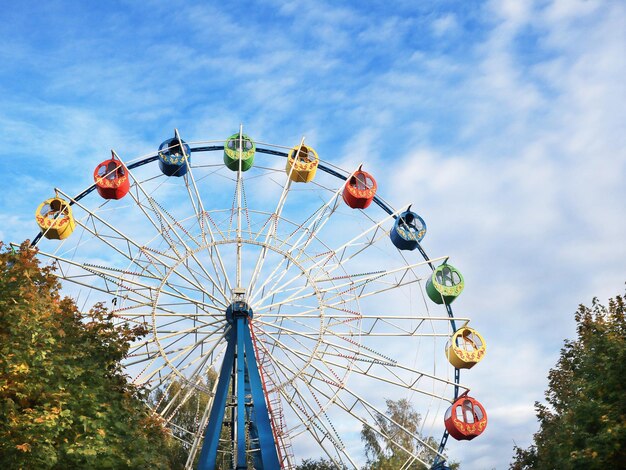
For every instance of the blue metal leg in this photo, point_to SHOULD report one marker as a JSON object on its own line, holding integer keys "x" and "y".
{"x": 269, "y": 455}
{"x": 246, "y": 382}
{"x": 241, "y": 394}
{"x": 208, "y": 455}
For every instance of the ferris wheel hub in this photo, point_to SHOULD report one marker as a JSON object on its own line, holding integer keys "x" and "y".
{"x": 237, "y": 309}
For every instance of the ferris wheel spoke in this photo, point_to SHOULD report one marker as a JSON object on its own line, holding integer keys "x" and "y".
{"x": 166, "y": 227}
{"x": 309, "y": 409}
{"x": 390, "y": 325}
{"x": 151, "y": 354}
{"x": 203, "y": 223}
{"x": 316, "y": 429}
{"x": 275, "y": 272}
{"x": 178, "y": 360}
{"x": 178, "y": 353}
{"x": 117, "y": 236}
{"x": 370, "y": 235}
{"x": 164, "y": 335}
{"x": 118, "y": 280}
{"x": 217, "y": 323}
{"x": 314, "y": 225}
{"x": 371, "y": 362}
{"x": 155, "y": 379}
{"x": 363, "y": 294}
{"x": 392, "y": 370}
{"x": 188, "y": 387}
{"x": 162, "y": 227}
{"x": 346, "y": 345}
{"x": 237, "y": 207}
{"x": 192, "y": 191}
{"x": 308, "y": 357}
{"x": 325, "y": 380}
{"x": 288, "y": 301}
{"x": 199, "y": 276}
{"x": 273, "y": 225}
{"x": 358, "y": 282}
{"x": 91, "y": 281}
{"x": 377, "y": 416}
{"x": 323, "y": 433}
{"x": 199, "y": 433}
{"x": 142, "y": 353}
{"x": 314, "y": 419}
{"x": 355, "y": 278}
{"x": 107, "y": 271}
{"x": 203, "y": 360}
{"x": 323, "y": 216}
{"x": 364, "y": 355}
{"x": 149, "y": 254}
{"x": 158, "y": 339}
{"x": 303, "y": 311}
{"x": 153, "y": 258}
{"x": 341, "y": 251}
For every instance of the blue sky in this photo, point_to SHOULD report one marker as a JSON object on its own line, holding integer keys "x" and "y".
{"x": 502, "y": 121}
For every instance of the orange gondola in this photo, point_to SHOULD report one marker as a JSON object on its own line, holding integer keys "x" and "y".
{"x": 111, "y": 178}
{"x": 359, "y": 190}
{"x": 466, "y": 418}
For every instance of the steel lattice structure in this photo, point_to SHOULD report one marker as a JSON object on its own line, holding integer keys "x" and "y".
{"x": 335, "y": 318}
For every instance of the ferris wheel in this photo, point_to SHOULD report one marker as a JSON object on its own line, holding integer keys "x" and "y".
{"x": 286, "y": 302}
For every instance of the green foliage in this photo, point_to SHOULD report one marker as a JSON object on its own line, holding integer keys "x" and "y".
{"x": 64, "y": 400}
{"x": 187, "y": 405}
{"x": 320, "y": 464}
{"x": 584, "y": 426}
{"x": 390, "y": 439}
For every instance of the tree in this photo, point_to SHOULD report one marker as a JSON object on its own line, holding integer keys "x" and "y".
{"x": 64, "y": 400}
{"x": 320, "y": 464}
{"x": 584, "y": 424}
{"x": 187, "y": 404}
{"x": 397, "y": 428}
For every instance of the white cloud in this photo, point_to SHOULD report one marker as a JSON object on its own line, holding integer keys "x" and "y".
{"x": 445, "y": 24}
{"x": 512, "y": 146}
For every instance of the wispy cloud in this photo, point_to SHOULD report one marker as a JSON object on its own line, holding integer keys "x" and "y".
{"x": 502, "y": 122}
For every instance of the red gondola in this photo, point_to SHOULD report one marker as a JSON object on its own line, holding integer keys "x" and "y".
{"x": 359, "y": 190}
{"x": 466, "y": 418}
{"x": 111, "y": 177}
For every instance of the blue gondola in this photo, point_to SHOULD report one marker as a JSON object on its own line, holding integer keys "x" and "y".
{"x": 171, "y": 157}
{"x": 408, "y": 230}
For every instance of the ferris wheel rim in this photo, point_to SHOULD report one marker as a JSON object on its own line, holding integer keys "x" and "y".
{"x": 326, "y": 168}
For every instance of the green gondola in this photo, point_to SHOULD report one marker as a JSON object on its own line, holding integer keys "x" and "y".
{"x": 445, "y": 284}
{"x": 233, "y": 149}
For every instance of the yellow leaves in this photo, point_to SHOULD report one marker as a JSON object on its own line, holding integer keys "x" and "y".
{"x": 20, "y": 368}
{"x": 23, "y": 447}
{"x": 49, "y": 415}
{"x": 101, "y": 432}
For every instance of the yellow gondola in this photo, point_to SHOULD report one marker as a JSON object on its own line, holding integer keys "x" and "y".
{"x": 54, "y": 217}
{"x": 466, "y": 348}
{"x": 304, "y": 164}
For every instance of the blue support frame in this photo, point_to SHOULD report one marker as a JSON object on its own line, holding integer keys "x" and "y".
{"x": 250, "y": 410}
